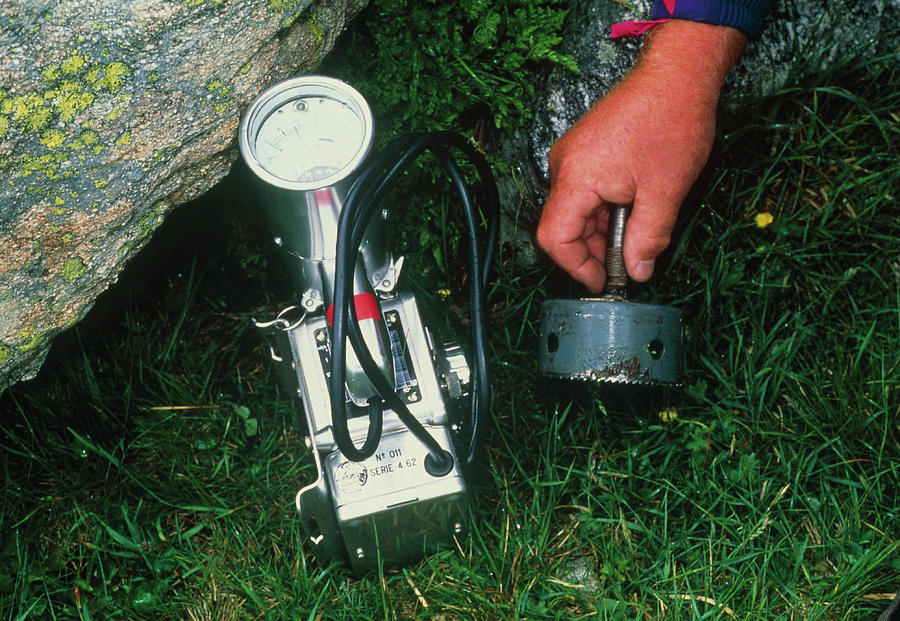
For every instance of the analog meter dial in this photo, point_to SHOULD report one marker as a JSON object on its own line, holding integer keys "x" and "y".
{"x": 306, "y": 133}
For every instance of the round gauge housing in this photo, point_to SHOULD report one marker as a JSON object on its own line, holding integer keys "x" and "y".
{"x": 306, "y": 133}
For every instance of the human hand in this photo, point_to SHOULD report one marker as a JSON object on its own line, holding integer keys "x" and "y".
{"x": 643, "y": 144}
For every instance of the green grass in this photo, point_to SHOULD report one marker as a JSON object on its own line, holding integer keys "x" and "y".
{"x": 135, "y": 485}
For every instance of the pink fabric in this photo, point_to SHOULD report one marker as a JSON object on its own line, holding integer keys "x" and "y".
{"x": 634, "y": 29}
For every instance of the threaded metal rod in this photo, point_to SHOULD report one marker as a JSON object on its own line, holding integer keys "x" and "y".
{"x": 616, "y": 276}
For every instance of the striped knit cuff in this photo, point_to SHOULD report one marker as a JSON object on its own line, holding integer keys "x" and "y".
{"x": 745, "y": 15}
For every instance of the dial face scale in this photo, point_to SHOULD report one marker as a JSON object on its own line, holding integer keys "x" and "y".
{"x": 306, "y": 133}
{"x": 309, "y": 139}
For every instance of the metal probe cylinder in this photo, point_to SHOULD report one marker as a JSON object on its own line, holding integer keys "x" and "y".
{"x": 609, "y": 339}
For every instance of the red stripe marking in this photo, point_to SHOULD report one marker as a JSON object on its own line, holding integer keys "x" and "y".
{"x": 323, "y": 198}
{"x": 366, "y": 308}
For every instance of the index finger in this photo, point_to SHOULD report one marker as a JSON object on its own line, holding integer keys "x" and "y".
{"x": 572, "y": 231}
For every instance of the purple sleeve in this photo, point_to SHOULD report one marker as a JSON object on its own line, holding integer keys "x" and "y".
{"x": 745, "y": 15}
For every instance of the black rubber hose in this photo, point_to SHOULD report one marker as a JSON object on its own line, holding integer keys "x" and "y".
{"x": 373, "y": 198}
{"x": 362, "y": 200}
{"x": 441, "y": 462}
{"x": 490, "y": 196}
{"x": 481, "y": 367}
{"x": 349, "y": 220}
{"x": 481, "y": 378}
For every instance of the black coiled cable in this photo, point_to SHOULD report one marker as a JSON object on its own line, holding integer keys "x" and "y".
{"x": 377, "y": 177}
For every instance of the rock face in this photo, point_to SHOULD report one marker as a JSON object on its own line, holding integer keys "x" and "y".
{"x": 805, "y": 35}
{"x": 111, "y": 113}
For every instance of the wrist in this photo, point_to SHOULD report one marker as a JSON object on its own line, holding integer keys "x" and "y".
{"x": 692, "y": 55}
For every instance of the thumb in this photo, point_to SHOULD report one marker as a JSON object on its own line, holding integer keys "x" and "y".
{"x": 647, "y": 233}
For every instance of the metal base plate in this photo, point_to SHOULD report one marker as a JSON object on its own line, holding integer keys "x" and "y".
{"x": 608, "y": 341}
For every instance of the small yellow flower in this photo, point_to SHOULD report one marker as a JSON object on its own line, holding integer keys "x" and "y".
{"x": 668, "y": 415}
{"x": 763, "y": 219}
{"x": 444, "y": 293}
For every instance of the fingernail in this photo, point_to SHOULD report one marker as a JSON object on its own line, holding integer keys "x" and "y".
{"x": 644, "y": 270}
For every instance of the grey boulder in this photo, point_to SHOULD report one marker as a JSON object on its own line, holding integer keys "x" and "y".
{"x": 111, "y": 113}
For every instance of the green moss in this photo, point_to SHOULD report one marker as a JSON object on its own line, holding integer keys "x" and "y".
{"x": 72, "y": 269}
{"x": 152, "y": 219}
{"x": 5, "y": 353}
{"x": 51, "y": 73}
{"x": 116, "y": 113}
{"x": 30, "y": 111}
{"x": 46, "y": 165}
{"x": 68, "y": 93}
{"x": 68, "y": 238}
{"x": 245, "y": 68}
{"x": 32, "y": 337}
{"x": 72, "y": 99}
{"x": 112, "y": 76}
{"x": 284, "y": 5}
{"x": 124, "y": 139}
{"x": 74, "y": 63}
{"x": 153, "y": 77}
{"x": 53, "y": 138}
{"x": 100, "y": 183}
{"x": 87, "y": 138}
{"x": 92, "y": 75}
{"x": 315, "y": 29}
{"x": 293, "y": 8}
{"x": 220, "y": 92}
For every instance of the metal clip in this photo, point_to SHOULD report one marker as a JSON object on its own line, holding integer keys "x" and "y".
{"x": 280, "y": 324}
{"x": 386, "y": 281}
